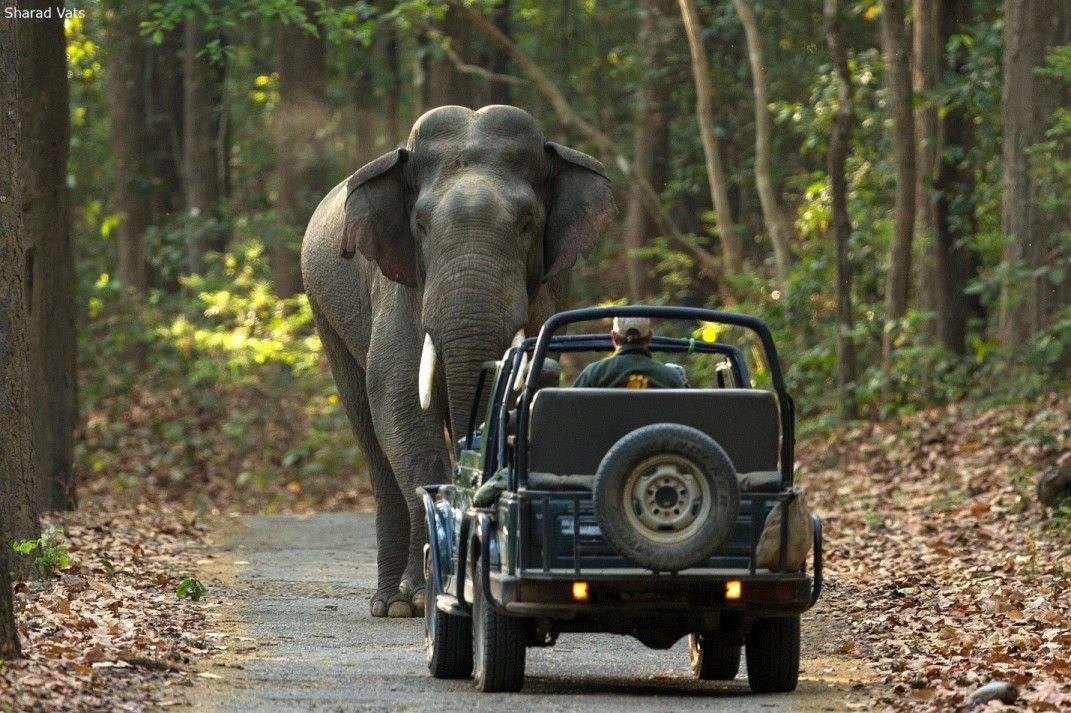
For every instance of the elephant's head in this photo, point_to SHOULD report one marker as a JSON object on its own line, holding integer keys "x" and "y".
{"x": 476, "y": 214}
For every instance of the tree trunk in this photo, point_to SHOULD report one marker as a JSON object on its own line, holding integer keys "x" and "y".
{"x": 731, "y": 244}
{"x": 304, "y": 171}
{"x": 393, "y": 129}
{"x": 928, "y": 51}
{"x": 14, "y": 436}
{"x": 49, "y": 256}
{"x": 164, "y": 100}
{"x": 1031, "y": 27}
{"x": 839, "y": 142}
{"x": 366, "y": 127}
{"x": 443, "y": 82}
{"x": 201, "y": 129}
{"x": 897, "y": 55}
{"x": 495, "y": 58}
{"x": 651, "y": 146}
{"x": 131, "y": 146}
{"x": 774, "y": 216}
{"x": 18, "y": 518}
{"x": 953, "y": 192}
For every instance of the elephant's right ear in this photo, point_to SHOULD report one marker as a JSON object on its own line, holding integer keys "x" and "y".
{"x": 377, "y": 222}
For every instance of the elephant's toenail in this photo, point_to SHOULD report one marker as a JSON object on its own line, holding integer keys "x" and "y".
{"x": 400, "y": 610}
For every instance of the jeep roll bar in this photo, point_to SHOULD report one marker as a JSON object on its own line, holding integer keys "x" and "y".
{"x": 786, "y": 408}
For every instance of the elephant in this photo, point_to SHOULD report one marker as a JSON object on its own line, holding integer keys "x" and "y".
{"x": 426, "y": 262}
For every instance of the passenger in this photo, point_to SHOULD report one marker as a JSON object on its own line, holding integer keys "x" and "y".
{"x": 631, "y": 365}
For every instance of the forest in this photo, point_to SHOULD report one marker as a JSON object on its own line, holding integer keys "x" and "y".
{"x": 886, "y": 183}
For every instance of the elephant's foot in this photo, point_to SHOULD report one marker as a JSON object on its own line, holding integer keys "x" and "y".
{"x": 399, "y": 606}
{"x": 414, "y": 595}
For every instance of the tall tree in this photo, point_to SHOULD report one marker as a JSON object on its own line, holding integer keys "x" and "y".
{"x": 18, "y": 518}
{"x": 164, "y": 100}
{"x": 203, "y": 141}
{"x": 945, "y": 202}
{"x": 495, "y": 58}
{"x": 897, "y": 55}
{"x": 392, "y": 90}
{"x": 1031, "y": 27}
{"x": 731, "y": 244}
{"x": 839, "y": 143}
{"x": 14, "y": 436}
{"x": 131, "y": 144}
{"x": 658, "y": 30}
{"x": 303, "y": 167}
{"x": 777, "y": 221}
{"x": 444, "y": 83}
{"x": 49, "y": 255}
{"x": 927, "y": 51}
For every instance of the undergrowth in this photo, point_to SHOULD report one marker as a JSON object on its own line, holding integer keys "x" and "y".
{"x": 217, "y": 394}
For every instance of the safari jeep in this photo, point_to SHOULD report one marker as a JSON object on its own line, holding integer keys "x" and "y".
{"x": 652, "y": 513}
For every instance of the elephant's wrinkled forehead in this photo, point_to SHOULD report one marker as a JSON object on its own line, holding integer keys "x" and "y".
{"x": 489, "y": 130}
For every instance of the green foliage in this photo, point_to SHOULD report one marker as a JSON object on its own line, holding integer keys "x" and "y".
{"x": 49, "y": 553}
{"x": 220, "y": 382}
{"x": 191, "y": 588}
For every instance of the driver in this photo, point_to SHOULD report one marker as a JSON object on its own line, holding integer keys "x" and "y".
{"x": 631, "y": 365}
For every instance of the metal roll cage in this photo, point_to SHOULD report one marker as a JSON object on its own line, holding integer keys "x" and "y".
{"x": 547, "y": 341}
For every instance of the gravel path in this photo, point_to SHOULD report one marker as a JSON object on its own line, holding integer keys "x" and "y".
{"x": 292, "y": 611}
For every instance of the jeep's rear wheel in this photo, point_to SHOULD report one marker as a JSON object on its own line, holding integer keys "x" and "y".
{"x": 773, "y": 654}
{"x": 499, "y": 643}
{"x": 666, "y": 496}
{"x": 447, "y": 637}
{"x": 714, "y": 657}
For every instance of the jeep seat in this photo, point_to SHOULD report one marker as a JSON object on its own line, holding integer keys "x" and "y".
{"x": 571, "y": 429}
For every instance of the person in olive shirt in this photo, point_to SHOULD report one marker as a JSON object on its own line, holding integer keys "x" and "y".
{"x": 631, "y": 365}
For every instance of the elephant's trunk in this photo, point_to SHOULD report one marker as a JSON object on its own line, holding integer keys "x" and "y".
{"x": 460, "y": 350}
{"x": 473, "y": 305}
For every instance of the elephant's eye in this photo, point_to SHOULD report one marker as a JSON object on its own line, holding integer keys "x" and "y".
{"x": 526, "y": 223}
{"x": 421, "y": 227}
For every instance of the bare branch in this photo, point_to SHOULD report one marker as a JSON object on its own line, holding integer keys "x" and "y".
{"x": 465, "y": 68}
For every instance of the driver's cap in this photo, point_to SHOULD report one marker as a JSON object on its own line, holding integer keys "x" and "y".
{"x": 632, "y": 328}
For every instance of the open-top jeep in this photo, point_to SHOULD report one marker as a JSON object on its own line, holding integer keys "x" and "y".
{"x": 627, "y": 511}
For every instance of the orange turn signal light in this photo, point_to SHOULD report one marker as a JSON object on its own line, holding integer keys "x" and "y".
{"x": 733, "y": 589}
{"x": 580, "y": 591}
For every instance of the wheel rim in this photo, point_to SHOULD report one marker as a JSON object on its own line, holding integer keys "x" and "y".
{"x": 667, "y": 498}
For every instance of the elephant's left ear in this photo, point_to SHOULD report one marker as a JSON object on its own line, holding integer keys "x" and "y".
{"x": 377, "y": 223}
{"x": 580, "y": 206}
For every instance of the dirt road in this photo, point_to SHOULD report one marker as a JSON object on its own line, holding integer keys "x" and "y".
{"x": 293, "y": 615}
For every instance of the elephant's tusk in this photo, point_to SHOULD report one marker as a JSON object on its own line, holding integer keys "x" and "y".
{"x": 426, "y": 374}
{"x": 518, "y": 339}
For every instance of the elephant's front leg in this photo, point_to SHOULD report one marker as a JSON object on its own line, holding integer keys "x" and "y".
{"x": 414, "y": 443}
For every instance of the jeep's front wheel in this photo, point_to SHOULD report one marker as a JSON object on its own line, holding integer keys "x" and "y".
{"x": 714, "y": 657}
{"x": 447, "y": 637}
{"x": 498, "y": 641}
{"x": 772, "y": 649}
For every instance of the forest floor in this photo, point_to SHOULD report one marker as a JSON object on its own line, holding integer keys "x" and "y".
{"x": 943, "y": 573}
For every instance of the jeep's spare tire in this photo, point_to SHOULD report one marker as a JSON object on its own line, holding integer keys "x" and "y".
{"x": 666, "y": 497}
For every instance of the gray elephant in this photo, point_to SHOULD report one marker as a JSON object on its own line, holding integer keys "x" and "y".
{"x": 462, "y": 242}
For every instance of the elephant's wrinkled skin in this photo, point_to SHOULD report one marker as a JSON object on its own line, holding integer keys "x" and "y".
{"x": 466, "y": 235}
